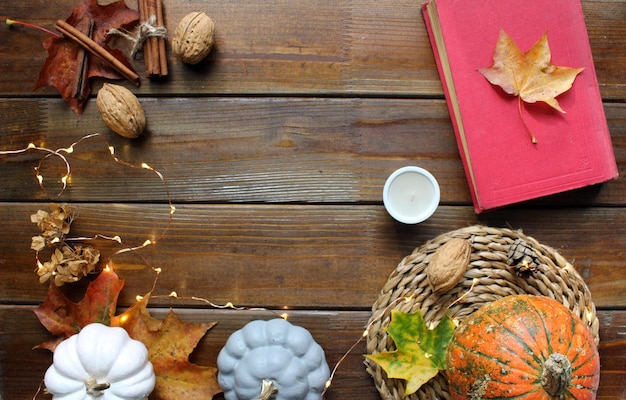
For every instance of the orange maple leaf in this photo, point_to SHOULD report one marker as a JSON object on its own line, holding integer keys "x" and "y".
{"x": 530, "y": 76}
{"x": 169, "y": 343}
{"x": 63, "y": 317}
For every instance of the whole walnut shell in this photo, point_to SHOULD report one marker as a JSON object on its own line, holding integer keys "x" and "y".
{"x": 448, "y": 264}
{"x": 193, "y": 38}
{"x": 121, "y": 110}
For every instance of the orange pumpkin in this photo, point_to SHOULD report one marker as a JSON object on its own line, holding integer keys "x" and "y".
{"x": 523, "y": 347}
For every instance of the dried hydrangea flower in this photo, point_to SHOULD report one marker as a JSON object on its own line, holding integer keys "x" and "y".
{"x": 45, "y": 271}
{"x": 38, "y": 243}
{"x": 67, "y": 263}
{"x": 54, "y": 225}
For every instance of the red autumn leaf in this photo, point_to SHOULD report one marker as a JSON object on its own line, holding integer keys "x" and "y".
{"x": 169, "y": 343}
{"x": 63, "y": 318}
{"x": 62, "y": 67}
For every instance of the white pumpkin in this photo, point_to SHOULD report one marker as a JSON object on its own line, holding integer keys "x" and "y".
{"x": 275, "y": 352}
{"x": 100, "y": 362}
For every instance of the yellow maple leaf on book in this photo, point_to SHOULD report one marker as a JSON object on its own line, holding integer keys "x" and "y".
{"x": 529, "y": 75}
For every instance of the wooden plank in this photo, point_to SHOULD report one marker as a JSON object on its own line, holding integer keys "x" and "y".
{"x": 296, "y": 256}
{"x": 361, "y": 47}
{"x": 597, "y": 15}
{"x": 336, "y": 331}
{"x": 254, "y": 150}
{"x": 275, "y": 161}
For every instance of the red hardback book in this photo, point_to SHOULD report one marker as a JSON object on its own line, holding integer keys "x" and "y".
{"x": 501, "y": 163}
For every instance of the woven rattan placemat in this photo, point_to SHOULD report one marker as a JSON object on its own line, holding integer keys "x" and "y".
{"x": 488, "y": 278}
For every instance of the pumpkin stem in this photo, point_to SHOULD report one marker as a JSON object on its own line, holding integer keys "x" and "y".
{"x": 268, "y": 390}
{"x": 96, "y": 389}
{"x": 557, "y": 374}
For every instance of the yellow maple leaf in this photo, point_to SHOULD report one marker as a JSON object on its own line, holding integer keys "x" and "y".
{"x": 530, "y": 76}
{"x": 169, "y": 343}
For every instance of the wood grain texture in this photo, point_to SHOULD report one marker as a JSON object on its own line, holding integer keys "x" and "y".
{"x": 353, "y": 47}
{"x": 274, "y": 151}
{"x": 302, "y": 256}
{"x": 335, "y": 331}
{"x": 255, "y": 150}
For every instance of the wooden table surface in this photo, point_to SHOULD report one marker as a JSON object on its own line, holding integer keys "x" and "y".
{"x": 275, "y": 150}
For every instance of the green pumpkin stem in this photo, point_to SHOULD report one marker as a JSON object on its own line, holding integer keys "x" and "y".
{"x": 557, "y": 374}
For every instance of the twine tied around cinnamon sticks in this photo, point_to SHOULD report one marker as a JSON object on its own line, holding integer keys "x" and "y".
{"x": 150, "y": 37}
{"x": 146, "y": 30}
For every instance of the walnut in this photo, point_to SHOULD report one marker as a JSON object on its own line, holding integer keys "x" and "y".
{"x": 193, "y": 38}
{"x": 121, "y": 110}
{"x": 448, "y": 264}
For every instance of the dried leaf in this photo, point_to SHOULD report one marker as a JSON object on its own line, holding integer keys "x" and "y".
{"x": 169, "y": 343}
{"x": 61, "y": 68}
{"x": 529, "y": 75}
{"x": 63, "y": 318}
{"x": 421, "y": 351}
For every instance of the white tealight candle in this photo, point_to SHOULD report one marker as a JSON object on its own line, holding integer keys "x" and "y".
{"x": 411, "y": 195}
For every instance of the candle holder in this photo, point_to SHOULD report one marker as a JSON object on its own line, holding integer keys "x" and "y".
{"x": 411, "y": 195}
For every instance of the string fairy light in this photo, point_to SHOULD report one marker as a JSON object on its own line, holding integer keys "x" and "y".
{"x": 65, "y": 178}
{"x": 381, "y": 315}
{"x": 40, "y": 389}
{"x": 364, "y": 334}
{"x": 475, "y": 282}
{"x": 229, "y": 305}
{"x": 61, "y": 153}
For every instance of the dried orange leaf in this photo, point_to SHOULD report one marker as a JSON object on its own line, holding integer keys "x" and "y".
{"x": 529, "y": 75}
{"x": 169, "y": 343}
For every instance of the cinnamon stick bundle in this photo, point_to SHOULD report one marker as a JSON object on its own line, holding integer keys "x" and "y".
{"x": 154, "y": 47}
